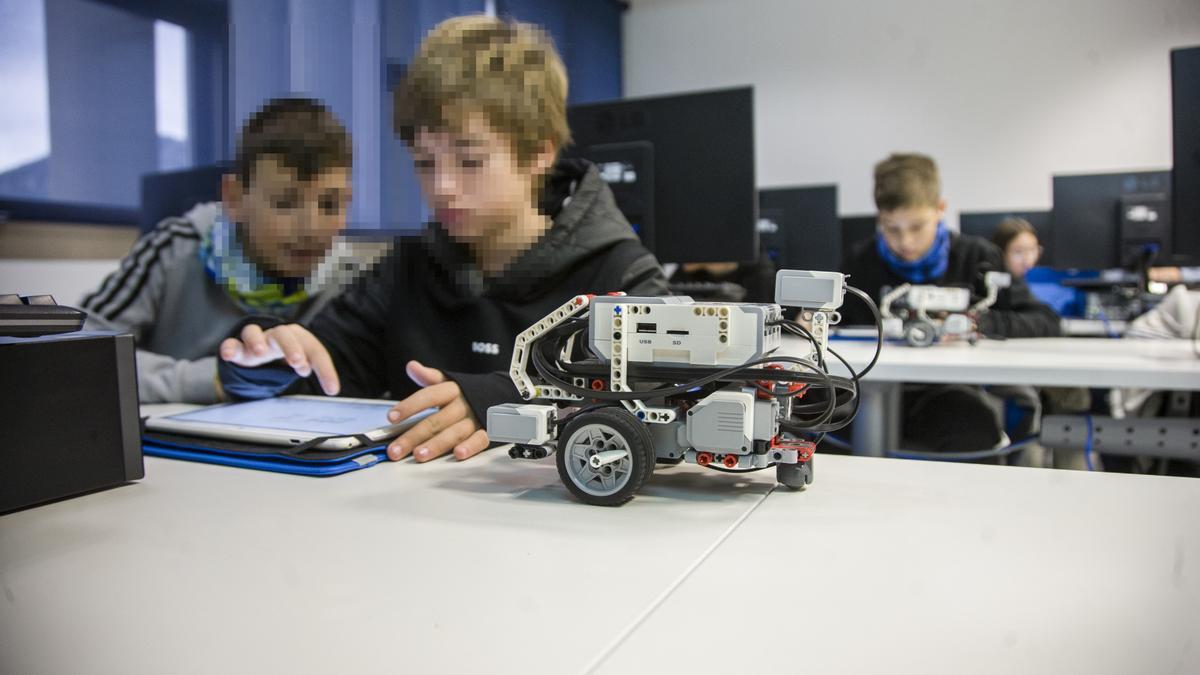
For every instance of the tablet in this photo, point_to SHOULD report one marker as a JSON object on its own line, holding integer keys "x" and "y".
{"x": 291, "y": 420}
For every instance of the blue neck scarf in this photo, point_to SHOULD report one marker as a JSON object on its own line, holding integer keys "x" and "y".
{"x": 929, "y": 267}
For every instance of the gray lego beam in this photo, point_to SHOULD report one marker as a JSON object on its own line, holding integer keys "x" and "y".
{"x": 1174, "y": 437}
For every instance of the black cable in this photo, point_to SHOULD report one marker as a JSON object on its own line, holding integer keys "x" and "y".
{"x": 878, "y": 328}
{"x": 856, "y": 376}
{"x": 737, "y": 373}
{"x": 724, "y": 470}
{"x": 797, "y": 328}
{"x": 792, "y": 393}
{"x": 638, "y": 372}
{"x": 562, "y": 421}
{"x": 827, "y": 416}
{"x": 734, "y": 373}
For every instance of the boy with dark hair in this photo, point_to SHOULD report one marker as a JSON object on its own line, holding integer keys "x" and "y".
{"x": 515, "y": 234}
{"x": 192, "y": 279}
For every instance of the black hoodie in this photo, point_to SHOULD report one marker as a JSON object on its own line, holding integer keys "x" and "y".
{"x": 428, "y": 301}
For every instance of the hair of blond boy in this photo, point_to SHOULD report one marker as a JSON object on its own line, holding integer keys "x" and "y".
{"x": 506, "y": 70}
{"x": 907, "y": 181}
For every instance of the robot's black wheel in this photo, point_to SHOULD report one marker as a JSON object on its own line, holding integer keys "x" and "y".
{"x": 795, "y": 476}
{"x": 588, "y": 435}
{"x": 920, "y": 333}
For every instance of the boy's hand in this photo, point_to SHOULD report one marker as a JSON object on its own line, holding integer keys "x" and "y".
{"x": 452, "y": 427}
{"x": 291, "y": 342}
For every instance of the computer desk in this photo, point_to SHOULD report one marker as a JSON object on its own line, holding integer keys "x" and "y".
{"x": 1093, "y": 328}
{"x": 1048, "y": 362}
{"x": 489, "y": 566}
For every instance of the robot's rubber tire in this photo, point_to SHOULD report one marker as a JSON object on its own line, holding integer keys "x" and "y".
{"x": 795, "y": 476}
{"x": 920, "y": 333}
{"x": 624, "y": 429}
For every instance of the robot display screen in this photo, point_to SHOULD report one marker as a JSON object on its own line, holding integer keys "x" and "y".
{"x": 321, "y": 416}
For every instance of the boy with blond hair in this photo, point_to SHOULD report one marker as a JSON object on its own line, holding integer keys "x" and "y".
{"x": 913, "y": 245}
{"x": 516, "y": 233}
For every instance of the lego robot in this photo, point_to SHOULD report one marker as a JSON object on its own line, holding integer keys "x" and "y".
{"x": 922, "y": 315}
{"x": 616, "y": 384}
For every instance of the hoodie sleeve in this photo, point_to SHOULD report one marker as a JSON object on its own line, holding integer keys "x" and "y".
{"x": 644, "y": 276}
{"x": 352, "y": 327}
{"x": 484, "y": 390}
{"x": 1016, "y": 314}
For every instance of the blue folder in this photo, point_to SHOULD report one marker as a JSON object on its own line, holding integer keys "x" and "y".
{"x": 262, "y": 458}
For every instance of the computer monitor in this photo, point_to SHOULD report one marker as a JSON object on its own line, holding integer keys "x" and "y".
{"x": 174, "y": 193}
{"x": 799, "y": 229}
{"x": 1103, "y": 221}
{"x": 856, "y": 229}
{"x": 1185, "y": 122}
{"x": 681, "y": 168}
{"x": 984, "y": 224}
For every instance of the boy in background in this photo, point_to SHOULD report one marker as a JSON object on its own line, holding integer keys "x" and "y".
{"x": 1018, "y": 244}
{"x": 913, "y": 245}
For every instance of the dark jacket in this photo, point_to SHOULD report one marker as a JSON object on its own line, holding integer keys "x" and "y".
{"x": 1016, "y": 312}
{"x": 428, "y": 301}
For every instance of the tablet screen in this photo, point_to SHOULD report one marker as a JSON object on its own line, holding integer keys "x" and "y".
{"x": 328, "y": 417}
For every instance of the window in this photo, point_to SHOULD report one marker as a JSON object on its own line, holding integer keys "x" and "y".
{"x": 98, "y": 95}
{"x": 25, "y": 116}
{"x": 171, "y": 96}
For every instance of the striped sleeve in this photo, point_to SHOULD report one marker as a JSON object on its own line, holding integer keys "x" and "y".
{"x": 124, "y": 289}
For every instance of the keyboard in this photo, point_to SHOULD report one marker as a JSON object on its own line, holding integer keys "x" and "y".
{"x": 34, "y": 315}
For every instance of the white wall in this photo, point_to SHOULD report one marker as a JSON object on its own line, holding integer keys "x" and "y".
{"x": 67, "y": 280}
{"x": 1003, "y": 93}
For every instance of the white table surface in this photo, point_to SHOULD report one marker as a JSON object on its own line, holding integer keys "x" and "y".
{"x": 916, "y": 567}
{"x": 488, "y": 566}
{"x": 483, "y": 566}
{"x": 1064, "y": 362}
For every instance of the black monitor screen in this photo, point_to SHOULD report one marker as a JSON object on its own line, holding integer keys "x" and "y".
{"x": 691, "y": 192}
{"x": 1093, "y": 212}
{"x": 174, "y": 193}
{"x": 984, "y": 224}
{"x": 855, "y": 230}
{"x": 1185, "y": 121}
{"x": 799, "y": 227}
